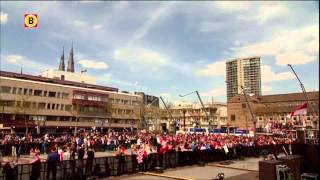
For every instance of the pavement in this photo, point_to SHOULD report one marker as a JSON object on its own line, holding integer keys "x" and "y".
{"x": 247, "y": 169}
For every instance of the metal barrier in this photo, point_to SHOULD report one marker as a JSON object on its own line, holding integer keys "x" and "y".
{"x": 120, "y": 165}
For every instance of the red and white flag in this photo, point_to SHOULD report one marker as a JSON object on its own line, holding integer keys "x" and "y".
{"x": 300, "y": 110}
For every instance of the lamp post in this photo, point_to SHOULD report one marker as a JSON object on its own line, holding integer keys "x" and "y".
{"x": 184, "y": 119}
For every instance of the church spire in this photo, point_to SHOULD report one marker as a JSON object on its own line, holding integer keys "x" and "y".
{"x": 70, "y": 67}
{"x": 61, "y": 65}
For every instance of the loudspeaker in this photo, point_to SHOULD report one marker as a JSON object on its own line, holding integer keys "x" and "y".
{"x": 309, "y": 176}
{"x": 301, "y": 137}
{"x": 294, "y": 162}
{"x": 267, "y": 169}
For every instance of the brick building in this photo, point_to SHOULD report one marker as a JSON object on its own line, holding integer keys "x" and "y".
{"x": 270, "y": 107}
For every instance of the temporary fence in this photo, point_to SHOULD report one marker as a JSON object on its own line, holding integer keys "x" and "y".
{"x": 120, "y": 165}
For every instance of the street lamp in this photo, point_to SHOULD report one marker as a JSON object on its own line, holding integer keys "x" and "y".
{"x": 184, "y": 119}
{"x": 203, "y": 108}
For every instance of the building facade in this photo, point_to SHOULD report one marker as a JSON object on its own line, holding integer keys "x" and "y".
{"x": 55, "y": 103}
{"x": 243, "y": 72}
{"x": 189, "y": 115}
{"x": 270, "y": 107}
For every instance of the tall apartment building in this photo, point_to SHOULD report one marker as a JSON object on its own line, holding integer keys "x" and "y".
{"x": 243, "y": 72}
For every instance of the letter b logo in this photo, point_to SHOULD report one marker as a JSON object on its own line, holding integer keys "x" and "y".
{"x": 30, "y": 20}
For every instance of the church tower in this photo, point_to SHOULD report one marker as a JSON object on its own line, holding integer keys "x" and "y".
{"x": 70, "y": 67}
{"x": 61, "y": 65}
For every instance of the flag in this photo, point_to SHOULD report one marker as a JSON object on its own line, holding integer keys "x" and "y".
{"x": 300, "y": 110}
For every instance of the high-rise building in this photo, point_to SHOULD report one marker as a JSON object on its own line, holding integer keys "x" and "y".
{"x": 243, "y": 72}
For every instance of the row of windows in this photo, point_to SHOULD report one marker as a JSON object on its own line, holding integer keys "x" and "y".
{"x": 122, "y": 111}
{"x": 33, "y": 92}
{"x": 35, "y": 105}
{"x": 125, "y": 102}
{"x": 90, "y": 97}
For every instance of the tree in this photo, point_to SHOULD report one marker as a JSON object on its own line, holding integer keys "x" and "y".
{"x": 75, "y": 112}
{"x": 24, "y": 107}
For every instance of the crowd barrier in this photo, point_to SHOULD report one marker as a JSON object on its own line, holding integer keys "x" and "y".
{"x": 6, "y": 149}
{"x": 120, "y": 165}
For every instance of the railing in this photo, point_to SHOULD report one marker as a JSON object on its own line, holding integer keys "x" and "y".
{"x": 115, "y": 166}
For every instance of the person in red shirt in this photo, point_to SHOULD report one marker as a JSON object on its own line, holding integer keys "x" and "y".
{"x": 120, "y": 153}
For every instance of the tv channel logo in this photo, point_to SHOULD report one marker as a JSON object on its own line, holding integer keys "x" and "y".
{"x": 30, "y": 20}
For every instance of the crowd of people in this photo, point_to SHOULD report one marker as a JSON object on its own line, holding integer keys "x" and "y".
{"x": 141, "y": 145}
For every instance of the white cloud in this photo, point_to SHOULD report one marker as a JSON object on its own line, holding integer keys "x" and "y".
{"x": 165, "y": 95}
{"x": 154, "y": 18}
{"x": 86, "y": 2}
{"x": 267, "y": 75}
{"x": 297, "y": 57}
{"x": 93, "y": 64}
{"x": 211, "y": 26}
{"x": 216, "y": 92}
{"x": 22, "y": 61}
{"x": 265, "y": 12}
{"x": 109, "y": 80}
{"x": 79, "y": 23}
{"x": 217, "y": 68}
{"x": 15, "y": 59}
{"x": 3, "y": 18}
{"x": 97, "y": 26}
{"x": 140, "y": 55}
{"x": 303, "y": 41}
{"x": 266, "y": 89}
{"x": 232, "y": 6}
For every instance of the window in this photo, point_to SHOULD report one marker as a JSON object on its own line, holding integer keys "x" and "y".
{"x": 233, "y": 117}
{"x": 48, "y": 106}
{"x": 68, "y": 107}
{"x": 30, "y": 92}
{"x": 53, "y": 106}
{"x": 25, "y": 91}
{"x": 18, "y": 103}
{"x": 62, "y": 107}
{"x": 6, "y": 103}
{"x": 37, "y": 92}
{"x": 78, "y": 96}
{"x": 52, "y": 94}
{"x": 26, "y": 104}
{"x": 5, "y": 89}
{"x": 45, "y": 93}
{"x": 41, "y": 105}
{"x": 20, "y": 91}
{"x": 58, "y": 106}
{"x": 14, "y": 90}
{"x": 58, "y": 95}
{"x": 64, "y": 95}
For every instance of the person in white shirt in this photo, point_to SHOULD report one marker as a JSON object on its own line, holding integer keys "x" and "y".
{"x": 66, "y": 154}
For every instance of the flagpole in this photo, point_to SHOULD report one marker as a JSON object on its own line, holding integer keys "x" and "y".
{"x": 303, "y": 89}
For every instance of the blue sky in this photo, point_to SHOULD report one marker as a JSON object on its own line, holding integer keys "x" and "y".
{"x": 167, "y": 48}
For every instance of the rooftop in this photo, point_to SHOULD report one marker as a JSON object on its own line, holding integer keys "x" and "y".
{"x": 55, "y": 81}
{"x": 289, "y": 97}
